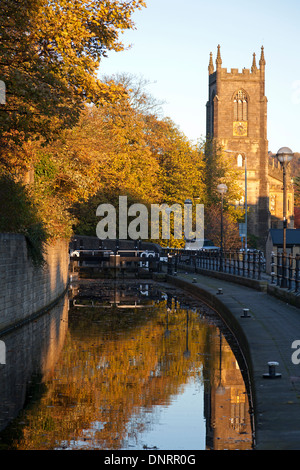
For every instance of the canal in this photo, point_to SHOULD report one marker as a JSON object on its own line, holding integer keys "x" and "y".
{"x": 115, "y": 367}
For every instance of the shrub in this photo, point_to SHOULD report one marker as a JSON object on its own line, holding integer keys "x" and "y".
{"x": 18, "y": 214}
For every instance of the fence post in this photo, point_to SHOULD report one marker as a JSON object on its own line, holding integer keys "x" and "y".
{"x": 297, "y": 272}
{"x": 284, "y": 259}
{"x": 170, "y": 264}
{"x": 278, "y": 268}
{"x": 259, "y": 265}
{"x": 272, "y": 268}
{"x": 248, "y": 264}
{"x": 290, "y": 271}
{"x": 253, "y": 265}
{"x": 230, "y": 267}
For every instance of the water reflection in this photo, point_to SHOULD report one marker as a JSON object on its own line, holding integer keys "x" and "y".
{"x": 31, "y": 351}
{"x": 162, "y": 376}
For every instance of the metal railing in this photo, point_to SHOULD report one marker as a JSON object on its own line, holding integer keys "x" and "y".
{"x": 250, "y": 264}
{"x": 285, "y": 271}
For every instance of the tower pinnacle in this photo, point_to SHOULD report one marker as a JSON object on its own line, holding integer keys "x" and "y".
{"x": 262, "y": 61}
{"x": 254, "y": 67}
{"x": 219, "y": 60}
{"x": 211, "y": 65}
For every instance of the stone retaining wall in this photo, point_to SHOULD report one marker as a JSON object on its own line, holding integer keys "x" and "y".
{"x": 26, "y": 289}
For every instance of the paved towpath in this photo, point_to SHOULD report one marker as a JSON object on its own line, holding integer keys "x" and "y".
{"x": 270, "y": 332}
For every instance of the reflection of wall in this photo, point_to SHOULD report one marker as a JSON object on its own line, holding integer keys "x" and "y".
{"x": 26, "y": 289}
{"x": 32, "y": 349}
{"x": 228, "y": 413}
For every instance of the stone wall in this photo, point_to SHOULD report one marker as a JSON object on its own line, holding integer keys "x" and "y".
{"x": 26, "y": 289}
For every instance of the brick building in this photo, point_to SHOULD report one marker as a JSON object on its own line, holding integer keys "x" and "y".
{"x": 237, "y": 120}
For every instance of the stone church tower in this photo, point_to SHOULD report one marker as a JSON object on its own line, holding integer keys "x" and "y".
{"x": 237, "y": 120}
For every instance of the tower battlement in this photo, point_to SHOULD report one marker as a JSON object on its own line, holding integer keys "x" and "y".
{"x": 235, "y": 72}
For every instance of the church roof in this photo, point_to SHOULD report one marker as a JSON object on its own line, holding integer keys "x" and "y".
{"x": 292, "y": 236}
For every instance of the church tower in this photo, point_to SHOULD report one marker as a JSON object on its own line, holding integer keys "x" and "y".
{"x": 237, "y": 120}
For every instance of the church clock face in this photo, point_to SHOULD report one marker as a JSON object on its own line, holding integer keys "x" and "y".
{"x": 240, "y": 128}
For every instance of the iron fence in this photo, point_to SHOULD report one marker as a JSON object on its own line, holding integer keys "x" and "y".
{"x": 285, "y": 271}
{"x": 251, "y": 264}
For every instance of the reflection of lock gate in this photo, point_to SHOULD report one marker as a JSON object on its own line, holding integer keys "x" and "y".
{"x": 2, "y": 353}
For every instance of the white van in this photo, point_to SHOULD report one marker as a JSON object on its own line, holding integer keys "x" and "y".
{"x": 197, "y": 244}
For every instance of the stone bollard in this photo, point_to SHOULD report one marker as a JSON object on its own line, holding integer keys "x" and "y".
{"x": 272, "y": 374}
{"x": 245, "y": 313}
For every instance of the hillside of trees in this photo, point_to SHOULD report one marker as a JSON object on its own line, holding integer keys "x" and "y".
{"x": 70, "y": 142}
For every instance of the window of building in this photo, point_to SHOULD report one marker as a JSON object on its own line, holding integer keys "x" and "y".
{"x": 273, "y": 203}
{"x": 240, "y": 106}
{"x": 240, "y": 160}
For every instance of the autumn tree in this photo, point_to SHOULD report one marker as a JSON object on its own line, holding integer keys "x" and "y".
{"x": 147, "y": 159}
{"x": 139, "y": 98}
{"x": 16, "y": 199}
{"x": 231, "y": 238}
{"x": 219, "y": 168}
{"x": 50, "y": 54}
{"x": 119, "y": 148}
{"x": 101, "y": 158}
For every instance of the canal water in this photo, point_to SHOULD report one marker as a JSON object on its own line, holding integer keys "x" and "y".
{"x": 115, "y": 367}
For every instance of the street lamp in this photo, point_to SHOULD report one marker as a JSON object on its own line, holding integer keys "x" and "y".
{"x": 284, "y": 156}
{"x": 222, "y": 189}
{"x": 244, "y": 156}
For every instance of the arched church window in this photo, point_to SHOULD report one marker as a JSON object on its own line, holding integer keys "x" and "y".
{"x": 273, "y": 203}
{"x": 240, "y": 114}
{"x": 240, "y": 160}
{"x": 240, "y": 106}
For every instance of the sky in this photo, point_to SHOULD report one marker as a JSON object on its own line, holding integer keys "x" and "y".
{"x": 170, "y": 48}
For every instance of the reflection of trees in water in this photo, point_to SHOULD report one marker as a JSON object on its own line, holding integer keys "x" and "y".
{"x": 116, "y": 366}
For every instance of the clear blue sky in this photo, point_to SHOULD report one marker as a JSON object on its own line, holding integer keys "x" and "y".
{"x": 171, "y": 46}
